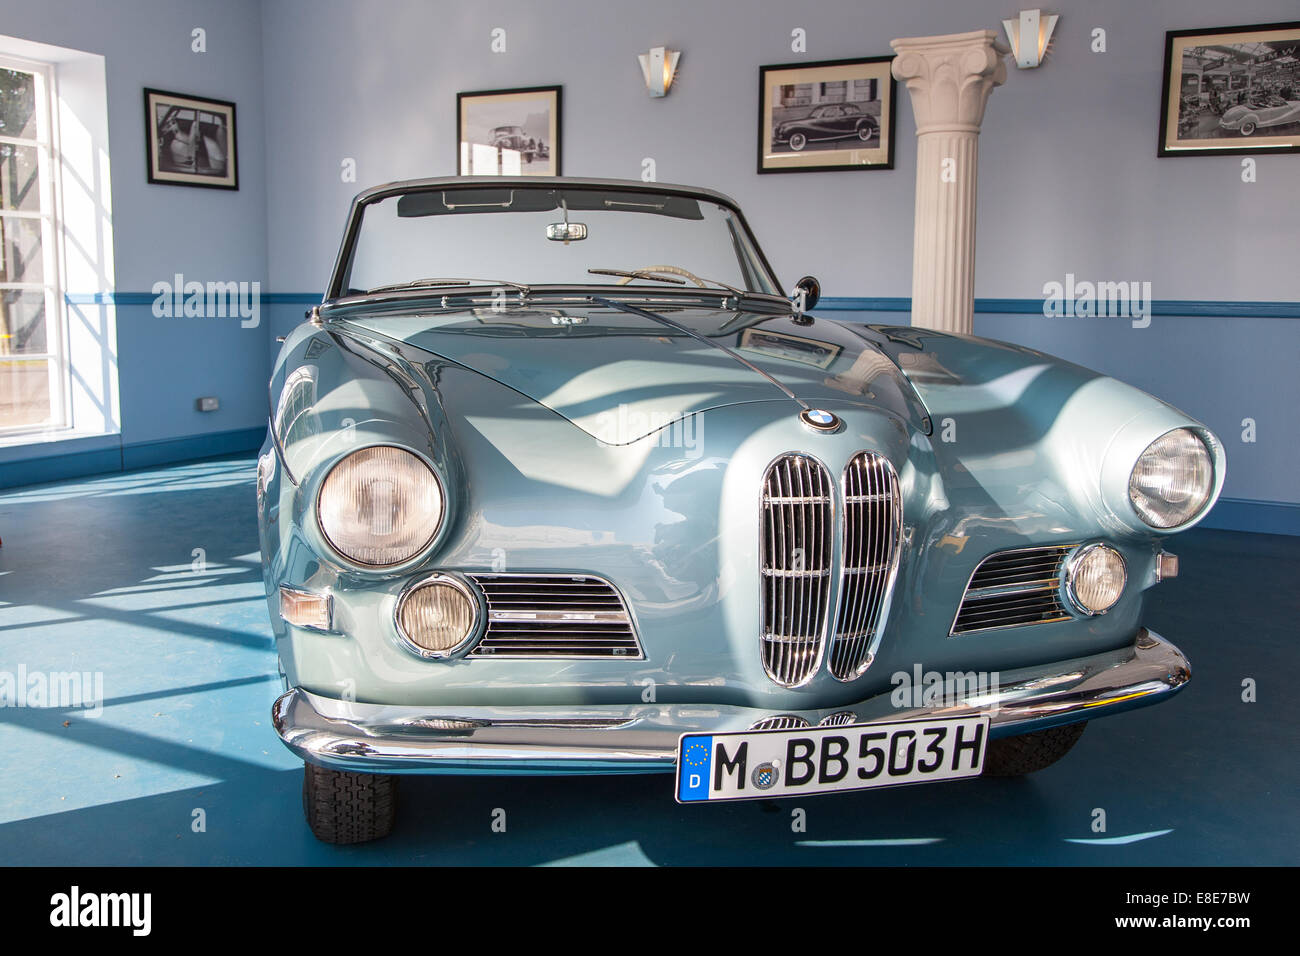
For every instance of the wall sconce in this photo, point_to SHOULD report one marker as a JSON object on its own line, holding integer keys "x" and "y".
{"x": 659, "y": 67}
{"x": 1029, "y": 36}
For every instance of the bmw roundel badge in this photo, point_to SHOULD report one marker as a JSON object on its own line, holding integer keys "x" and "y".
{"x": 820, "y": 420}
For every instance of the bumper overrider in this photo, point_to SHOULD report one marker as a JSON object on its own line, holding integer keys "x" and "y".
{"x": 378, "y": 738}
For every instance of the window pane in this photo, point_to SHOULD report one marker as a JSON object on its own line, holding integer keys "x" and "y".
{"x": 22, "y": 322}
{"x": 20, "y": 250}
{"x": 17, "y": 104}
{"x": 19, "y": 178}
{"x": 24, "y": 392}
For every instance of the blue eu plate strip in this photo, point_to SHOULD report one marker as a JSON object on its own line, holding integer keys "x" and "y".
{"x": 695, "y": 755}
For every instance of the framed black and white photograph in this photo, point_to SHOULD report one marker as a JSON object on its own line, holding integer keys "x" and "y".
{"x": 509, "y": 132}
{"x": 191, "y": 140}
{"x": 834, "y": 114}
{"x": 1231, "y": 90}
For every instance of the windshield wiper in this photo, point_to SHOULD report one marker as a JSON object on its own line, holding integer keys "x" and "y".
{"x": 435, "y": 283}
{"x": 637, "y": 274}
{"x": 667, "y": 276}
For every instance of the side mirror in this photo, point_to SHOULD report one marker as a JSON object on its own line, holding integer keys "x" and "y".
{"x": 807, "y": 291}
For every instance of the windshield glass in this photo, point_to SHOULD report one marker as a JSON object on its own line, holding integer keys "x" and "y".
{"x": 551, "y": 236}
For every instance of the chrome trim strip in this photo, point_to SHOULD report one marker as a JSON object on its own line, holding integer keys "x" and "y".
{"x": 380, "y": 738}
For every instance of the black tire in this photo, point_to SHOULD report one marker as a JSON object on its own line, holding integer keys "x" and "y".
{"x": 1027, "y": 753}
{"x": 344, "y": 808}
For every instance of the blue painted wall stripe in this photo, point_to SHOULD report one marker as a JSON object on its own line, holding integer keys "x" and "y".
{"x": 147, "y": 298}
{"x": 1243, "y": 514}
{"x": 1183, "y": 307}
{"x": 1168, "y": 307}
{"x": 127, "y": 457}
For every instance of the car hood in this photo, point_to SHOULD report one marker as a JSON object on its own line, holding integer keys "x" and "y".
{"x": 621, "y": 376}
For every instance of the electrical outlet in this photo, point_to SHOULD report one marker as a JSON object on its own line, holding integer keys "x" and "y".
{"x": 207, "y": 404}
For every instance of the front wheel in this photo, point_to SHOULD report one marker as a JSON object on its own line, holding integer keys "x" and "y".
{"x": 866, "y": 131}
{"x": 1247, "y": 128}
{"x": 798, "y": 141}
{"x": 344, "y": 807}
{"x": 1028, "y": 753}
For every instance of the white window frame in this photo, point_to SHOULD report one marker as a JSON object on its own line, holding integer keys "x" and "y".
{"x": 50, "y": 217}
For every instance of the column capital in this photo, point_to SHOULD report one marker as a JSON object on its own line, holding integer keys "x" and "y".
{"x": 950, "y": 77}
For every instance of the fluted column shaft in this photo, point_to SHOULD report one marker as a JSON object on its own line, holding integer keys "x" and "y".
{"x": 949, "y": 79}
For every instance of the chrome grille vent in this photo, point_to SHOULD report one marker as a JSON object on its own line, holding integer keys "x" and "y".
{"x": 1014, "y": 588}
{"x": 795, "y": 562}
{"x": 554, "y": 615}
{"x": 780, "y": 722}
{"x": 873, "y": 523}
{"x": 842, "y": 719}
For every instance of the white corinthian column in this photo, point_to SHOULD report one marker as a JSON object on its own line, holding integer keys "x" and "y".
{"x": 949, "y": 78}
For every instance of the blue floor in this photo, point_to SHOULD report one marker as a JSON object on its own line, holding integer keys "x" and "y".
{"x": 101, "y": 575}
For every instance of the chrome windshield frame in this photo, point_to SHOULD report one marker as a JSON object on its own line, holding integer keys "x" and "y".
{"x": 343, "y": 262}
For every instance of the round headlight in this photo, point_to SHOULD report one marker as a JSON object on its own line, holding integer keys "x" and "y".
{"x": 1095, "y": 578}
{"x": 1172, "y": 480}
{"x": 437, "y": 616}
{"x": 380, "y": 506}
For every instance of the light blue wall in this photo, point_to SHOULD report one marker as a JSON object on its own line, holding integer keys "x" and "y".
{"x": 205, "y": 234}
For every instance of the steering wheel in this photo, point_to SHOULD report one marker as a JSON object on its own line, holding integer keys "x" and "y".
{"x": 670, "y": 270}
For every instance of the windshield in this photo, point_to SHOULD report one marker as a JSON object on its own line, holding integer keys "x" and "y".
{"x": 547, "y": 235}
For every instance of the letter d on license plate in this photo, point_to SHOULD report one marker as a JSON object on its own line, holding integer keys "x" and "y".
{"x": 782, "y": 763}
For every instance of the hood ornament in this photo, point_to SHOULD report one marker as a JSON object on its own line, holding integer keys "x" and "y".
{"x": 818, "y": 419}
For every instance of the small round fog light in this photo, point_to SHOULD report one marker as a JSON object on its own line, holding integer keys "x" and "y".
{"x": 1095, "y": 578}
{"x": 437, "y": 616}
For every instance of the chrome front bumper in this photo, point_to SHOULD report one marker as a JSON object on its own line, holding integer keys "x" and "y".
{"x": 377, "y": 738}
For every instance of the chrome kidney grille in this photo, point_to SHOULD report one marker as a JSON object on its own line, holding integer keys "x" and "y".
{"x": 795, "y": 563}
{"x": 873, "y": 524}
{"x": 1014, "y": 588}
{"x": 554, "y": 616}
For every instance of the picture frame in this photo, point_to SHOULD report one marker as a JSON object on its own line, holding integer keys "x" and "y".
{"x": 826, "y": 115}
{"x": 1230, "y": 91}
{"x": 514, "y": 132}
{"x": 190, "y": 140}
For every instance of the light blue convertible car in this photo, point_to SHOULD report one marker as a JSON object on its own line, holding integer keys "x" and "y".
{"x": 558, "y": 481}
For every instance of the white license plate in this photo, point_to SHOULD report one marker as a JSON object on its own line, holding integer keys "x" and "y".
{"x": 761, "y": 764}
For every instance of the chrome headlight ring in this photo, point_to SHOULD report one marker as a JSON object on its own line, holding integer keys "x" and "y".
{"x": 1172, "y": 481}
{"x": 1075, "y": 566}
{"x": 471, "y": 631}
{"x": 384, "y": 462}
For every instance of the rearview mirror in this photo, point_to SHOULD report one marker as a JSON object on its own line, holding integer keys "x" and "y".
{"x": 566, "y": 231}
{"x": 806, "y": 293}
